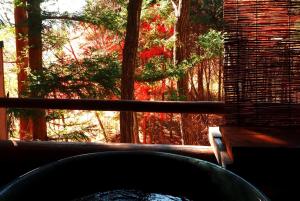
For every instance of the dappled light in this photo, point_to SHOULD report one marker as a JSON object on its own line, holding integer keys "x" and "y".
{"x": 77, "y": 50}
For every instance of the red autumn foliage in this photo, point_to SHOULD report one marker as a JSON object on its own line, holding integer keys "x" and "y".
{"x": 156, "y": 18}
{"x": 171, "y": 31}
{"x": 142, "y": 91}
{"x": 145, "y": 26}
{"x": 154, "y": 51}
{"x": 161, "y": 28}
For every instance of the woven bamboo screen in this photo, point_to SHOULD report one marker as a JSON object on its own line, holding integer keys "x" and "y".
{"x": 262, "y": 62}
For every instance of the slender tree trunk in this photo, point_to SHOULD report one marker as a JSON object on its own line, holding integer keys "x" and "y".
{"x": 152, "y": 129}
{"x": 208, "y": 79}
{"x": 220, "y": 79}
{"x": 136, "y": 129}
{"x": 182, "y": 12}
{"x": 101, "y": 126}
{"x": 194, "y": 93}
{"x": 21, "y": 30}
{"x": 200, "y": 82}
{"x": 128, "y": 67}
{"x": 205, "y": 71}
{"x": 144, "y": 128}
{"x": 171, "y": 127}
{"x": 38, "y": 120}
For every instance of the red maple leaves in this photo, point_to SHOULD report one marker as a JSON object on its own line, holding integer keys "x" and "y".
{"x": 154, "y": 51}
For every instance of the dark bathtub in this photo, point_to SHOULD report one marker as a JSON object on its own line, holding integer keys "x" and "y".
{"x": 154, "y": 172}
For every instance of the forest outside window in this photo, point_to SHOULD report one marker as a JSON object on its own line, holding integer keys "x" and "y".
{"x": 112, "y": 50}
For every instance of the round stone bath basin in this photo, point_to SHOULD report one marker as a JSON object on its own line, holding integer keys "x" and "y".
{"x": 150, "y": 172}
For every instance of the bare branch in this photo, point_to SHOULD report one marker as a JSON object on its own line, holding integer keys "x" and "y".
{"x": 68, "y": 17}
{"x": 179, "y": 8}
{"x": 175, "y": 8}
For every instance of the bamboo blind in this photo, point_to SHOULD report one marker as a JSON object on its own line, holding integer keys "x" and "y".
{"x": 262, "y": 62}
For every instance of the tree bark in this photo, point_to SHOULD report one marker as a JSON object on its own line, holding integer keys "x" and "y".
{"x": 21, "y": 29}
{"x": 220, "y": 79}
{"x": 136, "y": 129}
{"x": 128, "y": 67}
{"x": 3, "y": 116}
{"x": 182, "y": 52}
{"x": 208, "y": 79}
{"x": 182, "y": 29}
{"x": 200, "y": 81}
{"x": 38, "y": 120}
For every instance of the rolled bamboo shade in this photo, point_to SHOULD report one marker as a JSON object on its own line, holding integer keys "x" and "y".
{"x": 262, "y": 62}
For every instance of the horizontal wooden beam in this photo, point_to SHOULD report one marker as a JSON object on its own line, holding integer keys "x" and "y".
{"x": 117, "y": 105}
{"x": 63, "y": 149}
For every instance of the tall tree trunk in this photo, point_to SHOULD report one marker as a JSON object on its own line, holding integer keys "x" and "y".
{"x": 3, "y": 117}
{"x": 21, "y": 30}
{"x": 182, "y": 12}
{"x": 128, "y": 67}
{"x": 182, "y": 29}
{"x": 38, "y": 120}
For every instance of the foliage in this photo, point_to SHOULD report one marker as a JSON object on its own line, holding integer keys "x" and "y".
{"x": 111, "y": 15}
{"x": 155, "y": 47}
{"x": 208, "y": 13}
{"x": 55, "y": 39}
{"x": 212, "y": 43}
{"x": 82, "y": 59}
{"x": 78, "y": 136}
{"x": 19, "y": 3}
{"x": 90, "y": 78}
{"x": 6, "y": 13}
{"x": 7, "y": 33}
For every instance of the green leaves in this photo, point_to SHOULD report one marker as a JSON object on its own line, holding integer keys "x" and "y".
{"x": 96, "y": 77}
{"x": 112, "y": 17}
{"x": 19, "y": 3}
{"x": 212, "y": 43}
{"x": 159, "y": 68}
{"x": 105, "y": 71}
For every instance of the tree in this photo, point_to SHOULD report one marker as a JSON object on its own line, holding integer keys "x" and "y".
{"x": 38, "y": 120}
{"x": 21, "y": 30}
{"x": 3, "y": 119}
{"x": 128, "y": 67}
{"x": 92, "y": 67}
{"x": 181, "y": 53}
{"x": 212, "y": 45}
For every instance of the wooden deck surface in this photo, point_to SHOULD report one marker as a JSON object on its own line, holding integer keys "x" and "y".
{"x": 252, "y": 137}
{"x": 267, "y": 158}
